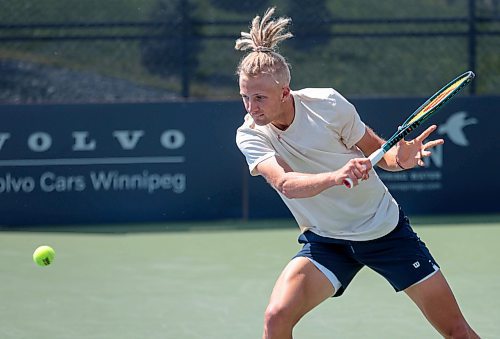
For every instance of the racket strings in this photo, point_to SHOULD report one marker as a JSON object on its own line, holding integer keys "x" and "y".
{"x": 440, "y": 99}
{"x": 433, "y": 104}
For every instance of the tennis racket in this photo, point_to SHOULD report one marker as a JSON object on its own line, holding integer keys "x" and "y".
{"x": 428, "y": 108}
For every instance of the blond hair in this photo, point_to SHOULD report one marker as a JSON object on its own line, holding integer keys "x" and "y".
{"x": 262, "y": 40}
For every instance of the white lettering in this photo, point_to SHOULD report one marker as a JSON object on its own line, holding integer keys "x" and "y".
{"x": 128, "y": 139}
{"x": 39, "y": 142}
{"x": 81, "y": 143}
{"x": 425, "y": 175}
{"x": 150, "y": 182}
{"x": 393, "y": 176}
{"x": 3, "y": 138}
{"x": 172, "y": 139}
{"x": 50, "y": 182}
{"x": 415, "y": 186}
{"x": 8, "y": 184}
{"x": 436, "y": 157}
{"x": 102, "y": 180}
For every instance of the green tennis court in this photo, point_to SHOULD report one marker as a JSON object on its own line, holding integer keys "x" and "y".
{"x": 212, "y": 281}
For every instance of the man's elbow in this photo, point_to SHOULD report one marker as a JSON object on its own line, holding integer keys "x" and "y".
{"x": 284, "y": 187}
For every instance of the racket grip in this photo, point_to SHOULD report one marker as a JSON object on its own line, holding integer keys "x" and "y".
{"x": 348, "y": 183}
{"x": 375, "y": 157}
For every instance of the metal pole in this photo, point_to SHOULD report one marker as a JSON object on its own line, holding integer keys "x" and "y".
{"x": 472, "y": 42}
{"x": 185, "y": 43}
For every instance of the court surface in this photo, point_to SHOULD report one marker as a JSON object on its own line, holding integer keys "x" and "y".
{"x": 184, "y": 281}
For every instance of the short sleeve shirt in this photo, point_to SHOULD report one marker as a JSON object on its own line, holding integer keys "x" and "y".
{"x": 322, "y": 138}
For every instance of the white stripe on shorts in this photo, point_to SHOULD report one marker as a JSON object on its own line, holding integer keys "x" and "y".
{"x": 436, "y": 269}
{"x": 329, "y": 274}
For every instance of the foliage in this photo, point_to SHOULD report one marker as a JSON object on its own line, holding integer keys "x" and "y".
{"x": 347, "y": 54}
{"x": 174, "y": 53}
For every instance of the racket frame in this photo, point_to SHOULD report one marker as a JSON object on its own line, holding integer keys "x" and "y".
{"x": 406, "y": 128}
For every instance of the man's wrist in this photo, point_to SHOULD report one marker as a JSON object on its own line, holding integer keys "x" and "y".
{"x": 399, "y": 164}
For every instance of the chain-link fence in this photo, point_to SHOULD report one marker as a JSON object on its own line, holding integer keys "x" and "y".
{"x": 157, "y": 50}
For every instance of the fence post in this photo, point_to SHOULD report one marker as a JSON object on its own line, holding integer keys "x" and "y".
{"x": 185, "y": 43}
{"x": 472, "y": 42}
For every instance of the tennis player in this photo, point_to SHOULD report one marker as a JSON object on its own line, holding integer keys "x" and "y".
{"x": 306, "y": 143}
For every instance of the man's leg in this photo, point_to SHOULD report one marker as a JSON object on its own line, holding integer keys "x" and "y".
{"x": 435, "y": 299}
{"x": 300, "y": 287}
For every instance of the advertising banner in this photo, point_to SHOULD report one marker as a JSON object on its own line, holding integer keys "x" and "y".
{"x": 91, "y": 164}
{"x": 66, "y": 164}
{"x": 461, "y": 176}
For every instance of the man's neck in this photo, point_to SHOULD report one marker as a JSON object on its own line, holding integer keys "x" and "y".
{"x": 288, "y": 114}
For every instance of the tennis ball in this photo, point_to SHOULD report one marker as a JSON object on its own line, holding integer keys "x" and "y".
{"x": 44, "y": 255}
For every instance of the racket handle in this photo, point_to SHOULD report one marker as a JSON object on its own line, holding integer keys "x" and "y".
{"x": 348, "y": 183}
{"x": 375, "y": 157}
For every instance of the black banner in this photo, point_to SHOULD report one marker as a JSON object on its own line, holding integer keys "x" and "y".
{"x": 459, "y": 177}
{"x": 70, "y": 164}
{"x": 75, "y": 164}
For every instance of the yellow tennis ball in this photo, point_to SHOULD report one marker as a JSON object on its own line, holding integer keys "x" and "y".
{"x": 44, "y": 255}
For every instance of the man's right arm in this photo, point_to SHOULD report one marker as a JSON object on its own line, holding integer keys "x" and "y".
{"x": 304, "y": 185}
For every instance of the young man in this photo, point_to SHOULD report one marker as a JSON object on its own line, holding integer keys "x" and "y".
{"x": 306, "y": 144}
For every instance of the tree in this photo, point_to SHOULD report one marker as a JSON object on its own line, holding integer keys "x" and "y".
{"x": 171, "y": 48}
{"x": 238, "y": 6}
{"x": 310, "y": 24}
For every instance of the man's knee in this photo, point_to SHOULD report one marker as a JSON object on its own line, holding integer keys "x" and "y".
{"x": 459, "y": 329}
{"x": 278, "y": 318}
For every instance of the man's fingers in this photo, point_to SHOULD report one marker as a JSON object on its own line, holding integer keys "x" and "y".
{"x": 357, "y": 170}
{"x": 433, "y": 143}
{"x": 425, "y": 134}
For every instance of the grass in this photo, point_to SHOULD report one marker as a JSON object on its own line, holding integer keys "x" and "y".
{"x": 208, "y": 280}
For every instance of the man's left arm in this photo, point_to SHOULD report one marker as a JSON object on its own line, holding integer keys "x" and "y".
{"x": 405, "y": 155}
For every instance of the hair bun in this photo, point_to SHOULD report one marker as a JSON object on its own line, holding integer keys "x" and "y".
{"x": 263, "y": 49}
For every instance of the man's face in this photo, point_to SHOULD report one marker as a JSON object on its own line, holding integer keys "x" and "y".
{"x": 262, "y": 97}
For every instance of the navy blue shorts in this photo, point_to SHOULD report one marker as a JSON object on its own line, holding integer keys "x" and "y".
{"x": 400, "y": 256}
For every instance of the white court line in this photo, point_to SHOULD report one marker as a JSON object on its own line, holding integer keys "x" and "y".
{"x": 92, "y": 161}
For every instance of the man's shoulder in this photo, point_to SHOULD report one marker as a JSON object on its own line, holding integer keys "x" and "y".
{"x": 308, "y": 94}
{"x": 326, "y": 100}
{"x": 248, "y": 125}
{"x": 249, "y": 129}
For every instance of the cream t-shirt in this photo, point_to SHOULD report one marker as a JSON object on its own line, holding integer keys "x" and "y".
{"x": 322, "y": 138}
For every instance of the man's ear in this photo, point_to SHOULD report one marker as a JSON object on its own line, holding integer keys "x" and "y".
{"x": 285, "y": 93}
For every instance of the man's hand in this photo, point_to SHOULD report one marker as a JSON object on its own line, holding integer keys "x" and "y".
{"x": 355, "y": 170}
{"x": 411, "y": 153}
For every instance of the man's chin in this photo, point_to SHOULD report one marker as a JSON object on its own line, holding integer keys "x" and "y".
{"x": 260, "y": 122}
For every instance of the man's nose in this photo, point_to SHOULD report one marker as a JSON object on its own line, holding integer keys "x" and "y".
{"x": 252, "y": 106}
